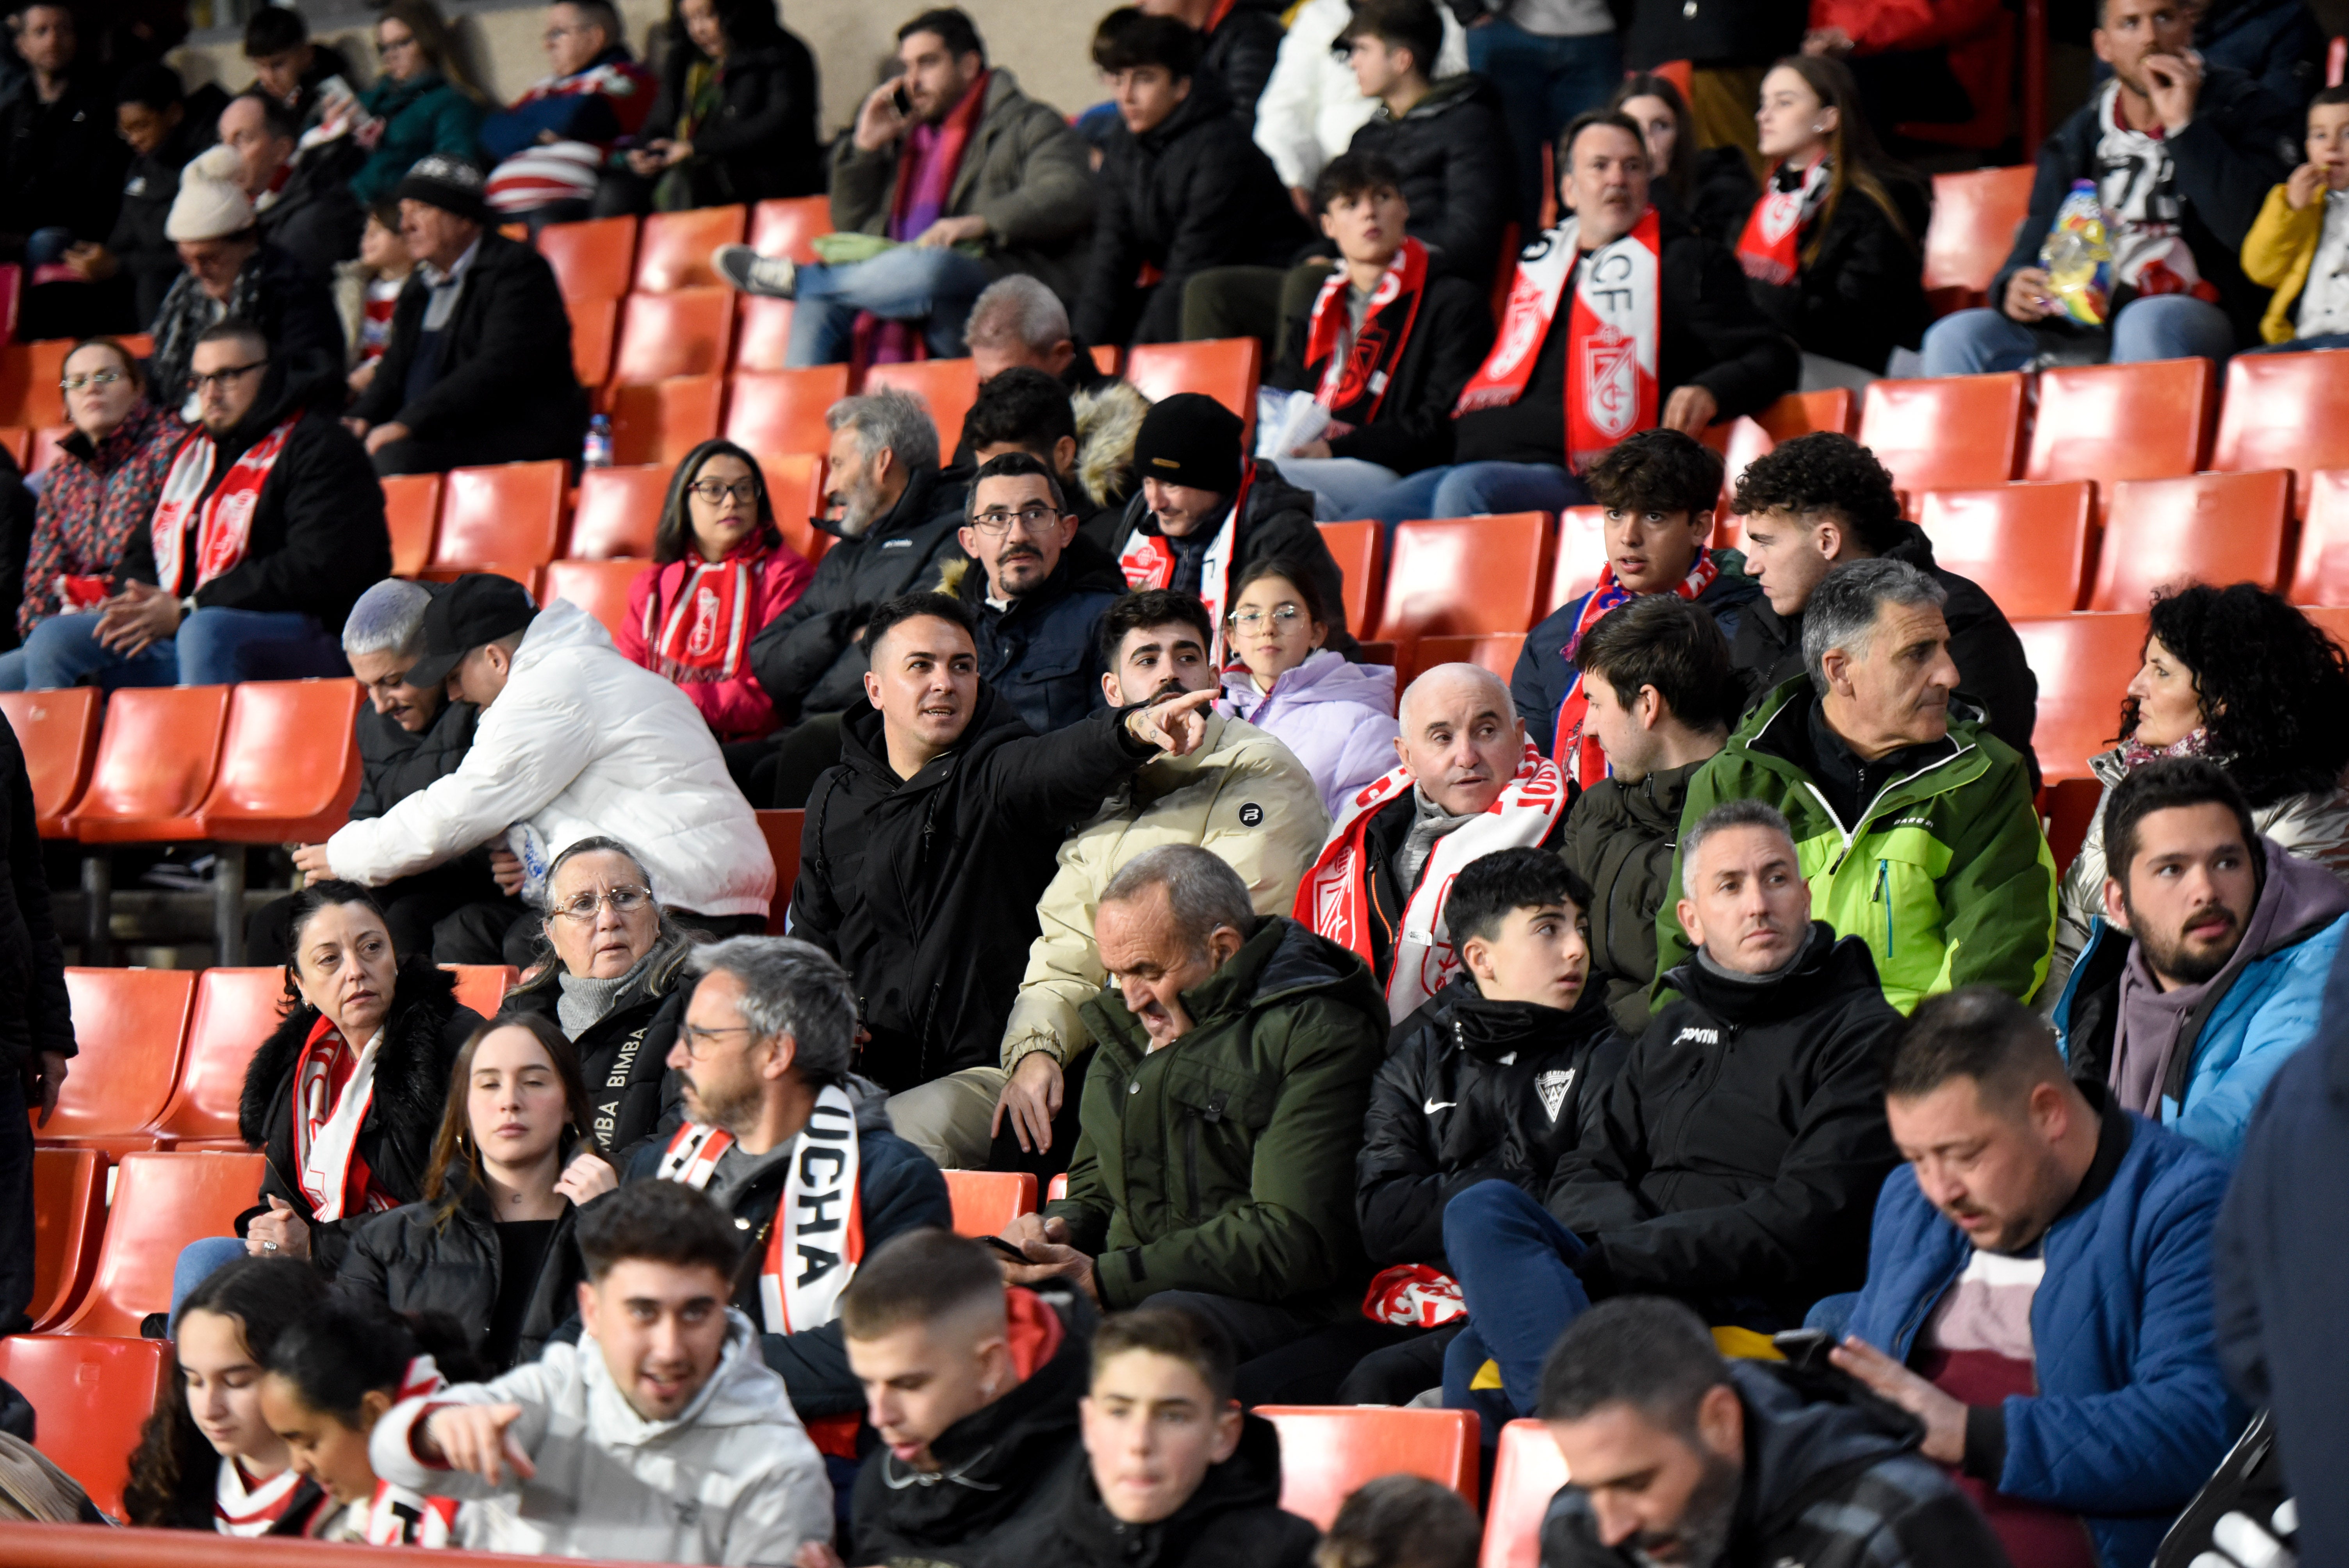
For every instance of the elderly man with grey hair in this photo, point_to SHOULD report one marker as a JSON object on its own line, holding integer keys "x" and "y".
{"x": 1019, "y": 320}
{"x": 782, "y": 1137}
{"x": 1214, "y": 1161}
{"x": 409, "y": 736}
{"x": 1916, "y": 826}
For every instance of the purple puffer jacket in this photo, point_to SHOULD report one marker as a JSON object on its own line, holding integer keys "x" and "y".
{"x": 1338, "y": 717}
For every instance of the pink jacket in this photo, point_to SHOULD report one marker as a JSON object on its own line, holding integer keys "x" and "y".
{"x": 735, "y": 708}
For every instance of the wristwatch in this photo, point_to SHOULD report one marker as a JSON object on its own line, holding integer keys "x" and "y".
{"x": 186, "y": 607}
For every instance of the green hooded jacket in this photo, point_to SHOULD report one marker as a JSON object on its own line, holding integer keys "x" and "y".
{"x": 1224, "y": 1161}
{"x": 1947, "y": 877}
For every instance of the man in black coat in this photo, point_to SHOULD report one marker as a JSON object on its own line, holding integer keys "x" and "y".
{"x": 305, "y": 209}
{"x": 61, "y": 162}
{"x": 1027, "y": 408}
{"x": 1822, "y": 500}
{"x": 1734, "y": 1161}
{"x": 478, "y": 369}
{"x": 927, "y": 850}
{"x": 152, "y": 113}
{"x": 1447, "y": 139}
{"x": 36, "y": 1032}
{"x": 1036, "y": 589}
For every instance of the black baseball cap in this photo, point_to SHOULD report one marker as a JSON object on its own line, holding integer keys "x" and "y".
{"x": 475, "y": 610}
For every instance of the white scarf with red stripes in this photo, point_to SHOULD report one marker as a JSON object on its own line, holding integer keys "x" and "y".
{"x": 251, "y": 1510}
{"x": 224, "y": 519}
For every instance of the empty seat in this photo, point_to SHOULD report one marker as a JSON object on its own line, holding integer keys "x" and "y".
{"x": 411, "y": 506}
{"x": 1581, "y": 556}
{"x": 155, "y": 760}
{"x": 782, "y": 834}
{"x": 482, "y": 986}
{"x": 949, "y": 386}
{"x": 762, "y": 334}
{"x": 2084, "y": 663}
{"x": 2205, "y": 528}
{"x": 784, "y": 410}
{"x": 508, "y": 515}
{"x": 2319, "y": 572}
{"x": 673, "y": 248}
{"x": 161, "y": 1203}
{"x": 787, "y": 226}
{"x": 598, "y": 587}
{"x": 660, "y": 421}
{"x": 58, "y": 733}
{"x": 795, "y": 482}
{"x": 92, "y": 1396}
{"x": 68, "y": 1222}
{"x": 1496, "y": 651}
{"x": 2150, "y": 420}
{"x": 1463, "y": 577}
{"x": 617, "y": 511}
{"x": 985, "y": 1202}
{"x": 289, "y": 765}
{"x": 594, "y": 326}
{"x": 685, "y": 333}
{"x": 1224, "y": 368}
{"x": 128, "y": 1025}
{"x": 1326, "y": 1451}
{"x": 1528, "y": 1471}
{"x": 1360, "y": 549}
{"x": 2284, "y": 411}
{"x": 592, "y": 260}
{"x": 1945, "y": 434}
{"x": 1975, "y": 214}
{"x": 43, "y": 448}
{"x": 2334, "y": 620}
{"x": 2026, "y": 544}
{"x": 235, "y": 1010}
{"x": 29, "y": 394}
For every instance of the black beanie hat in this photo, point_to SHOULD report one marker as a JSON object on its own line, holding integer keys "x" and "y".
{"x": 449, "y": 183}
{"x": 1190, "y": 439}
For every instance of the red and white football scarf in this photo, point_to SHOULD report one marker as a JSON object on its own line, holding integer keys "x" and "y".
{"x": 1577, "y": 753}
{"x": 334, "y": 1088}
{"x": 396, "y": 1516}
{"x": 1354, "y": 384}
{"x": 223, "y": 521}
{"x": 1769, "y": 250}
{"x": 1148, "y": 561}
{"x": 817, "y": 1236}
{"x": 1334, "y": 897}
{"x": 1614, "y": 335}
{"x": 706, "y": 633}
{"x": 250, "y": 1509}
{"x": 1413, "y": 1296}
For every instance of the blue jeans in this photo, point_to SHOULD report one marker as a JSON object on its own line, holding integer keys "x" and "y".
{"x": 1544, "y": 82}
{"x": 1343, "y": 487}
{"x": 196, "y": 1263}
{"x": 1513, "y": 1261}
{"x": 2303, "y": 345}
{"x": 214, "y": 647}
{"x": 1467, "y": 490}
{"x": 2164, "y": 326}
{"x": 930, "y": 283}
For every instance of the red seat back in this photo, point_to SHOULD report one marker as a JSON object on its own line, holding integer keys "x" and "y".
{"x": 2206, "y": 527}
{"x": 91, "y": 1397}
{"x": 1951, "y": 433}
{"x": 673, "y": 248}
{"x": 592, "y": 260}
{"x": 236, "y": 1009}
{"x": 2284, "y": 411}
{"x": 686, "y": 332}
{"x": 2320, "y": 574}
{"x": 68, "y": 1221}
{"x": 2148, "y": 420}
{"x": 1360, "y": 549}
{"x": 1975, "y": 215}
{"x": 789, "y": 225}
{"x": 1224, "y": 368}
{"x": 617, "y": 511}
{"x": 411, "y": 506}
{"x": 595, "y": 326}
{"x": 985, "y": 1202}
{"x": 161, "y": 1203}
{"x": 155, "y": 760}
{"x": 128, "y": 1025}
{"x": 2026, "y": 544}
{"x": 784, "y": 410}
{"x": 949, "y": 386}
{"x": 795, "y": 480}
{"x": 1326, "y": 1451}
{"x": 1468, "y": 576}
{"x": 1581, "y": 556}
{"x": 599, "y": 587}
{"x": 510, "y": 515}
{"x": 58, "y": 733}
{"x": 1495, "y": 650}
{"x": 29, "y": 394}
{"x": 289, "y": 767}
{"x": 782, "y": 834}
{"x": 661, "y": 421}
{"x": 1528, "y": 1471}
{"x": 2084, "y": 663}
{"x": 483, "y": 986}
{"x": 762, "y": 334}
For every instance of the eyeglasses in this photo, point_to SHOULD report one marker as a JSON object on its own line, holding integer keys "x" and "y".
{"x": 1033, "y": 519}
{"x": 694, "y": 1036}
{"x": 222, "y": 377}
{"x": 715, "y": 494}
{"x": 89, "y": 379}
{"x": 558, "y": 31}
{"x": 1284, "y": 616}
{"x": 624, "y": 900}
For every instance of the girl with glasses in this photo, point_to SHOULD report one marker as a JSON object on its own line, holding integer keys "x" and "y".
{"x": 1338, "y": 717}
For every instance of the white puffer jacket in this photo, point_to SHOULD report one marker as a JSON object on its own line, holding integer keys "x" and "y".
{"x": 1311, "y": 106}
{"x": 580, "y": 742}
{"x": 733, "y": 1479}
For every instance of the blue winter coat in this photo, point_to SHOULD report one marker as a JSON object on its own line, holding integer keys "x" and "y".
{"x": 2133, "y": 1413}
{"x": 1042, "y": 654}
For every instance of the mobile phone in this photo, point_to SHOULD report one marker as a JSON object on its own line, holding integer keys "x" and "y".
{"x": 1007, "y": 1249}
{"x": 901, "y": 100}
{"x": 1804, "y": 1348}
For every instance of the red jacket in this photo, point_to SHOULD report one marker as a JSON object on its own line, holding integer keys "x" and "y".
{"x": 735, "y": 708}
{"x": 1968, "y": 29}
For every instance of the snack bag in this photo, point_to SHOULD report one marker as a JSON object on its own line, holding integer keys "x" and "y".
{"x": 2078, "y": 256}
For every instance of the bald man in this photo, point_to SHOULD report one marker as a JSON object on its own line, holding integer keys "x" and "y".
{"x": 1467, "y": 782}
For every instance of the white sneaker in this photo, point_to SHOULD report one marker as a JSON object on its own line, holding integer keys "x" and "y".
{"x": 747, "y": 270}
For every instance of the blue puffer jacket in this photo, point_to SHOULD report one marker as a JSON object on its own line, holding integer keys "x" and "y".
{"x": 2133, "y": 1413}
{"x": 1042, "y": 653}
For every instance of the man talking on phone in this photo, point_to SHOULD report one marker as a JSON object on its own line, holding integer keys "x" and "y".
{"x": 2181, "y": 154}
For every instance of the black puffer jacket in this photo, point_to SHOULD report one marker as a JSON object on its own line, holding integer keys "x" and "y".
{"x": 1712, "y": 32}
{"x": 761, "y": 142}
{"x": 1720, "y": 196}
{"x": 1241, "y": 52}
{"x": 395, "y": 764}
{"x": 1864, "y": 294}
{"x": 1453, "y": 150}
{"x": 1233, "y": 1520}
{"x": 1448, "y": 341}
{"x": 36, "y": 1014}
{"x": 1472, "y": 1091}
{"x": 1621, "y": 839}
{"x": 413, "y": 1260}
{"x": 1042, "y": 652}
{"x": 1735, "y": 1159}
{"x": 316, "y": 220}
{"x": 1992, "y": 672}
{"x": 425, "y": 1029}
{"x": 148, "y": 258}
{"x": 808, "y": 657}
{"x": 1192, "y": 192}
{"x": 623, "y": 1061}
{"x": 926, "y": 888}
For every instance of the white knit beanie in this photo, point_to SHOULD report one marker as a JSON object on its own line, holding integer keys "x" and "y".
{"x": 210, "y": 204}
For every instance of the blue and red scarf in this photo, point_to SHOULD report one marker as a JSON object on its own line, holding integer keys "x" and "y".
{"x": 1577, "y": 753}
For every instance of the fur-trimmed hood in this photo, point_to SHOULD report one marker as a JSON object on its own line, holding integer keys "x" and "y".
{"x": 1108, "y": 421}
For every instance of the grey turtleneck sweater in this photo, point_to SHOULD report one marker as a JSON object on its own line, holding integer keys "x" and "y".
{"x": 587, "y": 1002}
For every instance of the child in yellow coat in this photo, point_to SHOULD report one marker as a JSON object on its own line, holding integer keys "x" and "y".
{"x": 2299, "y": 246}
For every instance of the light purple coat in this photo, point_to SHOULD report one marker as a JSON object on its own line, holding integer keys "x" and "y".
{"x": 1338, "y": 717}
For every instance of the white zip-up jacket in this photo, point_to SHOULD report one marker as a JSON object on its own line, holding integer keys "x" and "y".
{"x": 580, "y": 742}
{"x": 733, "y": 1480}
{"x": 1311, "y": 107}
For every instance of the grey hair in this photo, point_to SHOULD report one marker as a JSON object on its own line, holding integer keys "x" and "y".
{"x": 388, "y": 619}
{"x": 1842, "y": 609}
{"x": 1019, "y": 309}
{"x": 789, "y": 988}
{"x": 669, "y": 945}
{"x": 1729, "y": 814}
{"x": 1202, "y": 890}
{"x": 889, "y": 418}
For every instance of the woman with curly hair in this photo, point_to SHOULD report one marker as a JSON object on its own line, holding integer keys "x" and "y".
{"x": 2240, "y": 676}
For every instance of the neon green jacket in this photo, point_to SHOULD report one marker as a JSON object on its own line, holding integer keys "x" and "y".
{"x": 1948, "y": 878}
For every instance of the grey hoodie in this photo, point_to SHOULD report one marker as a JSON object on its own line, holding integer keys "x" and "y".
{"x": 732, "y": 1479}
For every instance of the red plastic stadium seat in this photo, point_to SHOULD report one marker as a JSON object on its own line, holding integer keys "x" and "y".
{"x": 155, "y": 762}
{"x": 91, "y": 1397}
{"x": 660, "y": 421}
{"x": 510, "y": 514}
{"x": 784, "y": 410}
{"x": 17, "y": 440}
{"x": 787, "y": 226}
{"x": 47, "y": 439}
{"x": 1496, "y": 651}
{"x": 289, "y": 766}
{"x": 68, "y": 1221}
{"x": 2207, "y": 528}
{"x": 762, "y": 334}
{"x": 685, "y": 333}
{"x": 592, "y": 260}
{"x": 595, "y": 326}
{"x": 795, "y": 479}
{"x": 1360, "y": 549}
{"x": 2321, "y": 573}
{"x": 2084, "y": 663}
{"x": 1057, "y": 1189}
{"x": 1224, "y": 368}
{"x": 58, "y": 732}
{"x": 949, "y": 386}
{"x": 127, "y": 1025}
{"x": 1528, "y": 1471}
{"x": 1326, "y": 1451}
{"x": 617, "y": 511}
{"x": 1463, "y": 577}
{"x": 986, "y": 1201}
{"x": 29, "y": 394}
{"x": 2334, "y": 622}
{"x": 1951, "y": 433}
{"x": 2026, "y": 544}
{"x": 236, "y": 1009}
{"x": 1975, "y": 214}
{"x": 482, "y": 986}
{"x": 161, "y": 1203}
{"x": 2284, "y": 411}
{"x": 411, "y": 506}
{"x": 673, "y": 248}
{"x": 2150, "y": 421}
{"x": 1581, "y": 556}
{"x": 783, "y": 831}
{"x": 598, "y": 587}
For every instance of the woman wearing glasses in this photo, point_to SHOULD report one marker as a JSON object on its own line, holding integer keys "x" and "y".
{"x": 422, "y": 101}
{"x": 1338, "y": 717}
{"x": 720, "y": 571}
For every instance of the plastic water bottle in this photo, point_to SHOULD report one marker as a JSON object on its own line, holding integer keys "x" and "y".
{"x": 598, "y": 452}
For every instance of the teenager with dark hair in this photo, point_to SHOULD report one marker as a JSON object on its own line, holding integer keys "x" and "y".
{"x": 156, "y": 121}
{"x": 1337, "y": 716}
{"x": 1448, "y": 141}
{"x": 1022, "y": 409}
{"x": 310, "y": 78}
{"x": 1710, "y": 187}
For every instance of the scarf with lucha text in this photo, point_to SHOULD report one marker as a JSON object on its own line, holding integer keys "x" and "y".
{"x": 817, "y": 1237}
{"x": 222, "y": 520}
{"x": 1334, "y": 897}
{"x": 1574, "y": 749}
{"x": 1353, "y": 384}
{"x": 1614, "y": 335}
{"x": 1767, "y": 250}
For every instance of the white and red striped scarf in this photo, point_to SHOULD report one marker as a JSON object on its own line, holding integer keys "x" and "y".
{"x": 1353, "y": 384}
{"x": 334, "y": 1089}
{"x": 1770, "y": 248}
{"x": 1577, "y": 752}
{"x": 250, "y": 1508}
{"x": 704, "y": 634}
{"x": 224, "y": 519}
